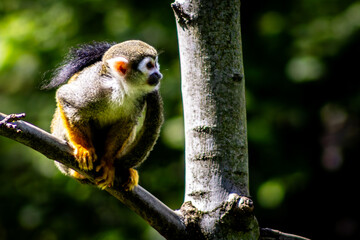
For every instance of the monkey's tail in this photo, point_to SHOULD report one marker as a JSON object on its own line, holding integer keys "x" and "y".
{"x": 76, "y": 60}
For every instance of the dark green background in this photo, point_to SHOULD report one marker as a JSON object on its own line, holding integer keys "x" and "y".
{"x": 301, "y": 63}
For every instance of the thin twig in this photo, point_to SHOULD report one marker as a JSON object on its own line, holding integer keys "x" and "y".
{"x": 7, "y": 122}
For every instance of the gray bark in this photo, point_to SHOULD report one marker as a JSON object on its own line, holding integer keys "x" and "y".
{"x": 214, "y": 114}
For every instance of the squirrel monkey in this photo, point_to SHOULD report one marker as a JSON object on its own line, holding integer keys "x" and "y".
{"x": 108, "y": 87}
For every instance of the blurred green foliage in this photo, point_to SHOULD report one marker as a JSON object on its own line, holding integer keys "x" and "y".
{"x": 303, "y": 102}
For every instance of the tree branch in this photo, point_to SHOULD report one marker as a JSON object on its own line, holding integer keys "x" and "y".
{"x": 158, "y": 215}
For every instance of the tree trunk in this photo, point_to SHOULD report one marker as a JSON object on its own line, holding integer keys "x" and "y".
{"x": 215, "y": 118}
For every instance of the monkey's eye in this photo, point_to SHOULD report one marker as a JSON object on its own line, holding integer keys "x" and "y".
{"x": 150, "y": 65}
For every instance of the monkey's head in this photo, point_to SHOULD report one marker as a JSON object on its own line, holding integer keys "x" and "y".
{"x": 134, "y": 62}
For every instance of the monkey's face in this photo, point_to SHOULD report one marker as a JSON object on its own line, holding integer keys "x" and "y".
{"x": 150, "y": 69}
{"x": 143, "y": 75}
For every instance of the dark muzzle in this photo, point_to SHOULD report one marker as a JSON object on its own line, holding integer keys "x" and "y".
{"x": 154, "y": 78}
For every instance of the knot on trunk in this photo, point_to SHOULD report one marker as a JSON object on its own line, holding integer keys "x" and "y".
{"x": 192, "y": 217}
{"x": 182, "y": 16}
{"x": 237, "y": 212}
{"x": 233, "y": 215}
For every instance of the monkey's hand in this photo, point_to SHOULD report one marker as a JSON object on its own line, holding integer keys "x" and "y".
{"x": 79, "y": 134}
{"x": 108, "y": 174}
{"x": 85, "y": 156}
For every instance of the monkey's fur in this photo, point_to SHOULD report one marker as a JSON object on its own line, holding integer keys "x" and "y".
{"x": 98, "y": 109}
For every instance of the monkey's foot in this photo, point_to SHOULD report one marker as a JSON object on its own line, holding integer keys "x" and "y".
{"x": 85, "y": 157}
{"x": 108, "y": 174}
{"x": 132, "y": 181}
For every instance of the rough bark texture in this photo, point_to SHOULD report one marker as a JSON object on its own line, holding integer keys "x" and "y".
{"x": 214, "y": 111}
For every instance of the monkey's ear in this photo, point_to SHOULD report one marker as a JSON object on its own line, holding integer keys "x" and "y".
{"x": 119, "y": 65}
